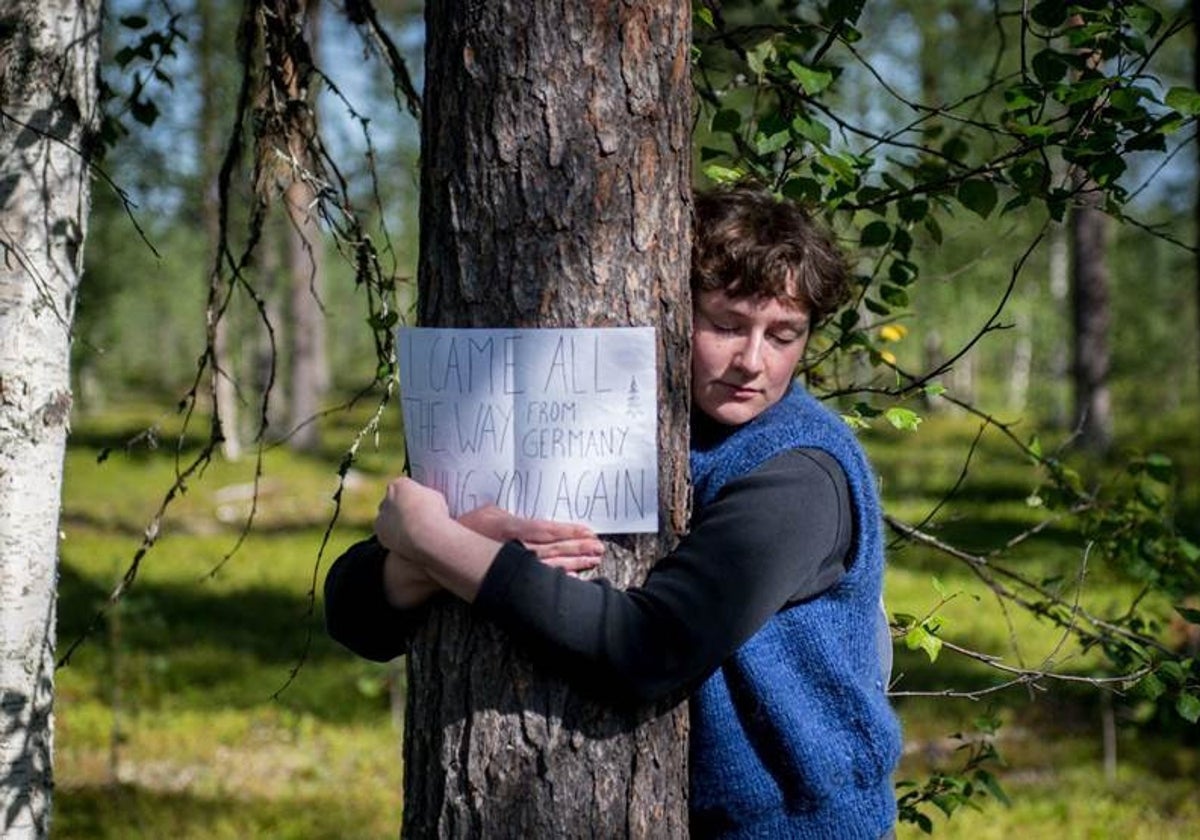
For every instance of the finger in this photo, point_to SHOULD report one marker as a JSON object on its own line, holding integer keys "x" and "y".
{"x": 590, "y": 547}
{"x": 545, "y": 531}
{"x": 574, "y": 563}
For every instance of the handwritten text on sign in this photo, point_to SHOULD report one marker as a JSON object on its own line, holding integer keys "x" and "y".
{"x": 546, "y": 423}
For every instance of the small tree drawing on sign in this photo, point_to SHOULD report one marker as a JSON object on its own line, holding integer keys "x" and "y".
{"x": 634, "y": 402}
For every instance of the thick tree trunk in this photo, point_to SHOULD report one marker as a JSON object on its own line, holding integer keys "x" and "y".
{"x": 555, "y": 191}
{"x": 48, "y": 96}
{"x": 1091, "y": 313}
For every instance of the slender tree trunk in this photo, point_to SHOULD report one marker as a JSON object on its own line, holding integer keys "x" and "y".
{"x": 1091, "y": 314}
{"x": 48, "y": 96}
{"x": 210, "y": 60}
{"x": 306, "y": 264}
{"x": 1059, "y": 283}
{"x": 555, "y": 191}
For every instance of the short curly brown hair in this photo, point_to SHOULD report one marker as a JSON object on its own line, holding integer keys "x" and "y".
{"x": 749, "y": 243}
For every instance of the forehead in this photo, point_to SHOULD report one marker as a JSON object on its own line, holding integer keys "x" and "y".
{"x": 764, "y": 307}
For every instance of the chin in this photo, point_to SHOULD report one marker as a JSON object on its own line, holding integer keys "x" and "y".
{"x": 733, "y": 414}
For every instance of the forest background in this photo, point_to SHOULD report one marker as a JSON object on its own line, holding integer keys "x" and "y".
{"x": 185, "y": 713}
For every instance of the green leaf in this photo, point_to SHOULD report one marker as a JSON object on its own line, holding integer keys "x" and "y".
{"x": 144, "y": 111}
{"x": 1188, "y": 706}
{"x": 893, "y": 296}
{"x": 956, "y": 148}
{"x": 1184, "y": 100}
{"x": 868, "y": 194}
{"x": 1022, "y": 97}
{"x": 1107, "y": 168}
{"x": 913, "y": 209}
{"x": 383, "y": 320}
{"x": 876, "y": 307}
{"x": 766, "y": 144}
{"x": 934, "y": 229}
{"x": 1150, "y": 687}
{"x": 993, "y": 786}
{"x": 124, "y": 56}
{"x": 813, "y": 81}
{"x": 1049, "y": 66}
{"x": 875, "y": 234}
{"x": 759, "y": 55}
{"x": 919, "y": 638}
{"x": 902, "y": 418}
{"x": 719, "y": 174}
{"x": 1189, "y": 614}
{"x": 1159, "y": 467}
{"x": 1028, "y": 175}
{"x": 726, "y": 120}
{"x": 902, "y": 272}
{"x": 1190, "y": 552}
{"x": 1049, "y": 13}
{"x": 1035, "y": 447}
{"x": 1144, "y": 19}
{"x": 934, "y": 389}
{"x": 802, "y": 189}
{"x": 978, "y": 196}
{"x": 1150, "y": 141}
{"x": 1173, "y": 671}
{"x": 814, "y": 131}
{"x": 705, "y": 16}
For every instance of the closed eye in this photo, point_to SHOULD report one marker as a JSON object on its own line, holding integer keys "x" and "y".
{"x": 786, "y": 338}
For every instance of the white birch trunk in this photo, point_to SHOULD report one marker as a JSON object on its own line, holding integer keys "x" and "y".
{"x": 48, "y": 101}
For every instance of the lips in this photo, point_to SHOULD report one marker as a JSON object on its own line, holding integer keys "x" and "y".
{"x": 740, "y": 392}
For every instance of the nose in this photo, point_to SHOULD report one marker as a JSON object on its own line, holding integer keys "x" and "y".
{"x": 749, "y": 358}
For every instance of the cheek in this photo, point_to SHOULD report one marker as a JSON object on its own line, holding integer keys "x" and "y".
{"x": 783, "y": 367}
{"x": 702, "y": 356}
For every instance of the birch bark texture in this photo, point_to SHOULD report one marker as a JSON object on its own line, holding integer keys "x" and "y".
{"x": 555, "y": 192}
{"x": 48, "y": 111}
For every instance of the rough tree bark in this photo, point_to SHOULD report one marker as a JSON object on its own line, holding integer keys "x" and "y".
{"x": 555, "y": 191}
{"x": 48, "y": 99}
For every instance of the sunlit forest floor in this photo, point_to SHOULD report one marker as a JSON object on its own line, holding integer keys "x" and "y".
{"x": 178, "y": 716}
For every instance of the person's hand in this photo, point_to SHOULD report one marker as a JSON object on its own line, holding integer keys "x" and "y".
{"x": 410, "y": 518}
{"x": 567, "y": 546}
{"x": 405, "y": 583}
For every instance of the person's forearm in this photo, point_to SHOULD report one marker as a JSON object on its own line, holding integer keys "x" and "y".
{"x": 456, "y": 557}
{"x": 406, "y": 584}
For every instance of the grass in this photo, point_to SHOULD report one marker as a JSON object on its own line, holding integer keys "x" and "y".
{"x": 179, "y": 717}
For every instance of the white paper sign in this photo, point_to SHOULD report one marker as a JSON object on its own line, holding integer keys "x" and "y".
{"x": 554, "y": 424}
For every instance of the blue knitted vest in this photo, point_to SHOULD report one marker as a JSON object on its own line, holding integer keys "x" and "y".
{"x": 793, "y": 736}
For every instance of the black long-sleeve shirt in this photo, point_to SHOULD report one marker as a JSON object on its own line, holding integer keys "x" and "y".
{"x": 777, "y": 535}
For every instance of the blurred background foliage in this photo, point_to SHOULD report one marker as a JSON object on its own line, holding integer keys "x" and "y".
{"x": 170, "y": 717}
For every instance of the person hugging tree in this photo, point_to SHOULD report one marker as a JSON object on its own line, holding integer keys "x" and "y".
{"x": 767, "y": 615}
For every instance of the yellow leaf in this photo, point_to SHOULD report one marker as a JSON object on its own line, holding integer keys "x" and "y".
{"x": 887, "y": 357}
